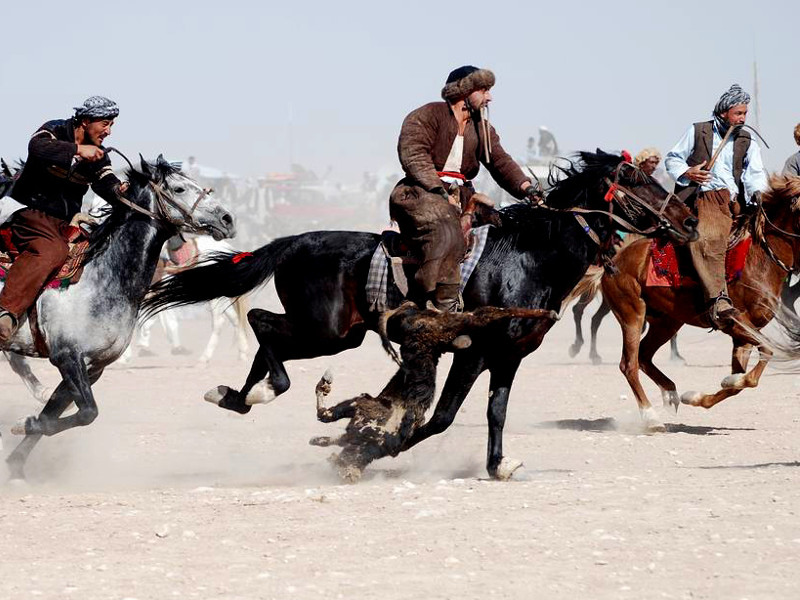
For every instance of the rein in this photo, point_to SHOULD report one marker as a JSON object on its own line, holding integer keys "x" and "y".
{"x": 163, "y": 202}
{"x": 613, "y": 188}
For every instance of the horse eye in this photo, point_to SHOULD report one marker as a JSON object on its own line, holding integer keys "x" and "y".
{"x": 179, "y": 190}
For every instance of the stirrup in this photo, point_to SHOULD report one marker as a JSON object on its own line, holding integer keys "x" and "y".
{"x": 14, "y": 323}
{"x": 718, "y": 318}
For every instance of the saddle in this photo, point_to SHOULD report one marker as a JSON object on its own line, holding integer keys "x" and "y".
{"x": 69, "y": 273}
{"x": 669, "y": 267}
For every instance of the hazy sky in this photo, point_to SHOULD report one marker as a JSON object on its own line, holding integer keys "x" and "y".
{"x": 246, "y": 86}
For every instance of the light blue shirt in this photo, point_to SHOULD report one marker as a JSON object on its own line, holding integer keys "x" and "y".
{"x": 754, "y": 177}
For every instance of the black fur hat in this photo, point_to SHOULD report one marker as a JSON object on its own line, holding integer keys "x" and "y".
{"x": 464, "y": 80}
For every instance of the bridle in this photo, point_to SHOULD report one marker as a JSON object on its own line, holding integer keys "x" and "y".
{"x": 763, "y": 240}
{"x": 631, "y": 204}
{"x": 163, "y": 203}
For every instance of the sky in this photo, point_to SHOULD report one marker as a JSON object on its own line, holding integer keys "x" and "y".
{"x": 252, "y": 87}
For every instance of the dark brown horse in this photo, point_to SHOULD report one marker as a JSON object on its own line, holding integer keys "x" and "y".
{"x": 775, "y": 251}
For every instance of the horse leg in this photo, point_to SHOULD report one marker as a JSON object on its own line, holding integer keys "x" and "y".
{"x": 631, "y": 318}
{"x": 499, "y": 466}
{"x": 596, "y": 320}
{"x": 216, "y": 324}
{"x": 577, "y": 314}
{"x": 280, "y": 340}
{"x": 79, "y": 385}
{"x": 59, "y": 401}
{"x": 659, "y": 332}
{"x": 466, "y": 368}
{"x": 674, "y": 354}
{"x": 738, "y": 380}
{"x": 22, "y": 368}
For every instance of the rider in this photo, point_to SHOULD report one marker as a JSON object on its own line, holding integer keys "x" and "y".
{"x": 441, "y": 146}
{"x": 65, "y": 157}
{"x": 792, "y": 165}
{"x": 732, "y": 183}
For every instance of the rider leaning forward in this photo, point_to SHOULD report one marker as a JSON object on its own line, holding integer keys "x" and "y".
{"x": 718, "y": 193}
{"x": 441, "y": 148}
{"x": 65, "y": 157}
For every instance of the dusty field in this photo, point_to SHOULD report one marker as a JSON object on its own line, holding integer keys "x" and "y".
{"x": 166, "y": 496}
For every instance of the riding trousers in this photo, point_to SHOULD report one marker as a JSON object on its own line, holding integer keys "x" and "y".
{"x": 41, "y": 241}
{"x": 432, "y": 227}
{"x": 708, "y": 252}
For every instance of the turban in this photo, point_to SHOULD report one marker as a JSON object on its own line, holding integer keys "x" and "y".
{"x": 735, "y": 95}
{"x": 97, "y": 107}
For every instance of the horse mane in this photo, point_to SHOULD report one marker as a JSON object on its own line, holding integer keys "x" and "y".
{"x": 567, "y": 183}
{"x": 115, "y": 214}
{"x": 782, "y": 188}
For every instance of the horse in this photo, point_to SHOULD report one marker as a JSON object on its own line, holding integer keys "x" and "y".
{"x": 532, "y": 260}
{"x": 86, "y": 326}
{"x": 602, "y": 311}
{"x": 774, "y": 253}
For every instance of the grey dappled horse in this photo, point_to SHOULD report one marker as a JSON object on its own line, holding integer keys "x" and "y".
{"x": 87, "y": 326}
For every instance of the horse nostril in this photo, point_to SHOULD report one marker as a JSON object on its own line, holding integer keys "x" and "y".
{"x": 691, "y": 222}
{"x": 227, "y": 219}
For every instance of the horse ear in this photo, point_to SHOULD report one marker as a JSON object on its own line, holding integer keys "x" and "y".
{"x": 145, "y": 166}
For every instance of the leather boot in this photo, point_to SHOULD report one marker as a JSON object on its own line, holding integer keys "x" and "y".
{"x": 8, "y": 326}
{"x": 723, "y": 312}
{"x": 447, "y": 297}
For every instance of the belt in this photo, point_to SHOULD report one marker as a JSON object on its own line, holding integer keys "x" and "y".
{"x": 452, "y": 179}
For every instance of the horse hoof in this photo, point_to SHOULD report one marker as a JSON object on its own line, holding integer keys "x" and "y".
{"x": 18, "y": 428}
{"x": 506, "y": 468}
{"x": 573, "y": 351}
{"x": 733, "y": 382}
{"x": 691, "y": 398}
{"x": 216, "y": 395}
{"x": 671, "y": 398}
{"x": 261, "y": 393}
{"x": 652, "y": 424}
{"x": 462, "y": 342}
{"x": 597, "y": 360}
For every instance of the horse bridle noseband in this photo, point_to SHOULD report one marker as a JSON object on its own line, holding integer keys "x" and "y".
{"x": 163, "y": 202}
{"x": 765, "y": 244}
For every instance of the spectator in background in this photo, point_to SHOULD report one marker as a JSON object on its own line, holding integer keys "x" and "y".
{"x": 792, "y": 166}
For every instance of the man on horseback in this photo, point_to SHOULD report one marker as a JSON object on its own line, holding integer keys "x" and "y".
{"x": 65, "y": 157}
{"x": 718, "y": 171}
{"x": 441, "y": 147}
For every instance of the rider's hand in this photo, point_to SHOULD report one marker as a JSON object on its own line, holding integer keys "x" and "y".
{"x": 534, "y": 195}
{"x": 90, "y": 153}
{"x": 698, "y": 174}
{"x": 123, "y": 187}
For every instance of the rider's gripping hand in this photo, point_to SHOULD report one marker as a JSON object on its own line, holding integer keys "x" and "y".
{"x": 90, "y": 153}
{"x": 534, "y": 195}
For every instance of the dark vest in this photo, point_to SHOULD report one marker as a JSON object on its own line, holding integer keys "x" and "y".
{"x": 703, "y": 140}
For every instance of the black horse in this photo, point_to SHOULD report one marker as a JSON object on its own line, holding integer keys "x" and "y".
{"x": 533, "y": 260}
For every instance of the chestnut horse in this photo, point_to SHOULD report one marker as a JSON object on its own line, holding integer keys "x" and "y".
{"x": 774, "y": 252}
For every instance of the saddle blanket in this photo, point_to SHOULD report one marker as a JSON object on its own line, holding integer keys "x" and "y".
{"x": 665, "y": 270}
{"x": 383, "y": 292}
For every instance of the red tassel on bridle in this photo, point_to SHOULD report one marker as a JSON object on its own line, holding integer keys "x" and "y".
{"x": 237, "y": 258}
{"x": 612, "y": 190}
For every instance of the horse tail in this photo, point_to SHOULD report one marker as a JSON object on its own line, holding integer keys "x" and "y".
{"x": 589, "y": 285}
{"x": 222, "y": 274}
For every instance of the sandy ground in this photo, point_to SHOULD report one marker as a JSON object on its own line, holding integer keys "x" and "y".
{"x": 166, "y": 496}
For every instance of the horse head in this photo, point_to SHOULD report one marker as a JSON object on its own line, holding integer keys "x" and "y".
{"x": 177, "y": 202}
{"x": 616, "y": 185}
